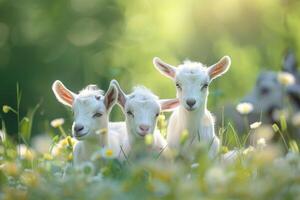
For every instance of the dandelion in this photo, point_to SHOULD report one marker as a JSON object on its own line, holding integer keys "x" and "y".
{"x": 255, "y": 125}
{"x": 57, "y": 122}
{"x": 244, "y": 108}
{"x": 285, "y": 78}
{"x": 149, "y": 139}
{"x": 296, "y": 119}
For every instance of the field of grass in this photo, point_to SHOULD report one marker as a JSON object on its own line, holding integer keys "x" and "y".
{"x": 267, "y": 170}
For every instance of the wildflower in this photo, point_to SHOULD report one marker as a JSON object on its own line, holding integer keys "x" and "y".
{"x": 57, "y": 122}
{"x": 2, "y": 136}
{"x": 102, "y": 131}
{"x": 10, "y": 168}
{"x": 280, "y": 114}
{"x": 25, "y": 152}
{"x": 48, "y": 156}
{"x": 149, "y": 139}
{"x": 296, "y": 119}
{"x": 275, "y": 127}
{"x": 261, "y": 143}
{"x": 87, "y": 168}
{"x": 108, "y": 153}
{"x": 248, "y": 150}
{"x": 255, "y": 125}
{"x": 6, "y": 108}
{"x": 244, "y": 108}
{"x": 96, "y": 155}
{"x": 216, "y": 176}
{"x": 29, "y": 178}
{"x": 194, "y": 165}
{"x": 285, "y": 78}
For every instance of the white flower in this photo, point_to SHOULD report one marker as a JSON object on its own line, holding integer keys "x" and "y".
{"x": 2, "y": 136}
{"x": 244, "y": 108}
{"x": 25, "y": 152}
{"x": 285, "y": 78}
{"x": 261, "y": 143}
{"x": 255, "y": 125}
{"x": 248, "y": 150}
{"x": 108, "y": 153}
{"x": 296, "y": 119}
{"x": 216, "y": 176}
{"x": 57, "y": 122}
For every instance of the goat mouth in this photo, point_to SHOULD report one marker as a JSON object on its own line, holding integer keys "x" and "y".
{"x": 81, "y": 135}
{"x": 190, "y": 109}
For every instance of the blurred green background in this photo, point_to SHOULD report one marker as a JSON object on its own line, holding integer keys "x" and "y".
{"x": 92, "y": 41}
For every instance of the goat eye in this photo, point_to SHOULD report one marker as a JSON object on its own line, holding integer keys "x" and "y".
{"x": 178, "y": 86}
{"x": 97, "y": 115}
{"x": 204, "y": 86}
{"x": 130, "y": 113}
{"x": 157, "y": 114}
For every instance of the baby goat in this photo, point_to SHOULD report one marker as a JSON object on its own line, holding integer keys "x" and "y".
{"x": 141, "y": 108}
{"x": 91, "y": 115}
{"x": 192, "y": 80}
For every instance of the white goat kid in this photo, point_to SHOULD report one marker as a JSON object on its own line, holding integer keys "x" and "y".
{"x": 192, "y": 80}
{"x": 91, "y": 116}
{"x": 141, "y": 109}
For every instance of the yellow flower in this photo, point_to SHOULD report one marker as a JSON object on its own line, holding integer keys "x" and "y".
{"x": 6, "y": 108}
{"x": 25, "y": 152}
{"x": 255, "y": 125}
{"x": 48, "y": 156}
{"x": 29, "y": 178}
{"x": 244, "y": 108}
{"x": 57, "y": 122}
{"x": 275, "y": 127}
{"x": 296, "y": 119}
{"x": 10, "y": 168}
{"x": 285, "y": 78}
{"x": 149, "y": 139}
{"x": 102, "y": 131}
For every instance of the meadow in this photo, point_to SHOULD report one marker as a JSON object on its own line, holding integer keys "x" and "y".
{"x": 95, "y": 41}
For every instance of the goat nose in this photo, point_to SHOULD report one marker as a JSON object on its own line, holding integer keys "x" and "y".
{"x": 78, "y": 128}
{"x": 191, "y": 102}
{"x": 144, "y": 128}
{"x": 264, "y": 91}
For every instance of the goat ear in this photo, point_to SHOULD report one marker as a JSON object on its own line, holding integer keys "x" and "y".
{"x": 164, "y": 68}
{"x": 121, "y": 95}
{"x": 219, "y": 68}
{"x": 62, "y": 94}
{"x": 290, "y": 62}
{"x": 111, "y": 97}
{"x": 168, "y": 104}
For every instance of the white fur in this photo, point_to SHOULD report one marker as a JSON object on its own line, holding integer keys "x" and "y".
{"x": 191, "y": 79}
{"x": 141, "y": 108}
{"x": 92, "y": 137}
